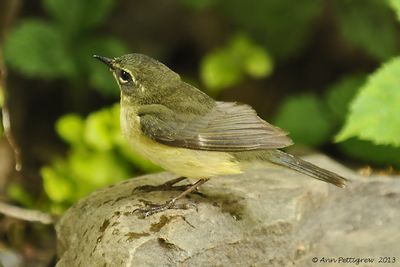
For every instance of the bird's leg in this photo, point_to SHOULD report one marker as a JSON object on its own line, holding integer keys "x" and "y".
{"x": 151, "y": 208}
{"x": 167, "y": 186}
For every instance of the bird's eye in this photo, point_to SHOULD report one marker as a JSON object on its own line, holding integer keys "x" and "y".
{"x": 124, "y": 77}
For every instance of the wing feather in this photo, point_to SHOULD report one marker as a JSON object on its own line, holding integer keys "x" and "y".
{"x": 227, "y": 127}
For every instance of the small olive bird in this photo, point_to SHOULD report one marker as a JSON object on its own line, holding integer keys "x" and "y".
{"x": 183, "y": 130}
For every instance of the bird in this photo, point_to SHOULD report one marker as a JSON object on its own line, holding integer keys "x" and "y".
{"x": 183, "y": 130}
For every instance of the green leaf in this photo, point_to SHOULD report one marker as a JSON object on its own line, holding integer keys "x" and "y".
{"x": 37, "y": 48}
{"x": 370, "y": 25}
{"x": 226, "y": 66}
{"x": 370, "y": 153}
{"x": 306, "y": 119}
{"x": 219, "y": 70}
{"x": 100, "y": 129}
{"x": 98, "y": 156}
{"x": 340, "y": 94}
{"x": 77, "y": 14}
{"x": 282, "y": 26}
{"x": 395, "y": 4}
{"x": 374, "y": 113}
{"x": 56, "y": 182}
{"x": 100, "y": 77}
{"x": 66, "y": 181}
{"x": 257, "y": 63}
{"x": 96, "y": 170}
{"x": 70, "y": 128}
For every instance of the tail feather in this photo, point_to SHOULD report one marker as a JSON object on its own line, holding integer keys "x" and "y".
{"x": 284, "y": 159}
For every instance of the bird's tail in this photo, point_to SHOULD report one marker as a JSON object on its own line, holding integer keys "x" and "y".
{"x": 284, "y": 159}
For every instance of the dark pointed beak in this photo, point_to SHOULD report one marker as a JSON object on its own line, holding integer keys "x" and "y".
{"x": 108, "y": 61}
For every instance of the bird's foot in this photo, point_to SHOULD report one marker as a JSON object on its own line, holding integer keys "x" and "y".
{"x": 153, "y": 208}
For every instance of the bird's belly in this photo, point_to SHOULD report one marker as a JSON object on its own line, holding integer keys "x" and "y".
{"x": 181, "y": 161}
{"x": 186, "y": 162}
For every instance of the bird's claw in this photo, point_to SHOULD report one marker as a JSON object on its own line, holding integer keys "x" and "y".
{"x": 153, "y": 208}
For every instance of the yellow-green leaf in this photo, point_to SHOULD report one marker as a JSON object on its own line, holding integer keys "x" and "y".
{"x": 227, "y": 66}
{"x": 395, "y": 4}
{"x": 70, "y": 128}
{"x": 374, "y": 113}
{"x": 57, "y": 186}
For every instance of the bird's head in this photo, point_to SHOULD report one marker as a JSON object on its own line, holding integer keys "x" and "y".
{"x": 140, "y": 77}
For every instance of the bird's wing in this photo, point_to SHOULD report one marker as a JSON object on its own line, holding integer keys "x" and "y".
{"x": 229, "y": 127}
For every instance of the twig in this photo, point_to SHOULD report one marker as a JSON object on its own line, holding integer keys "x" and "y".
{"x": 7, "y": 11}
{"x": 26, "y": 214}
{"x": 8, "y": 133}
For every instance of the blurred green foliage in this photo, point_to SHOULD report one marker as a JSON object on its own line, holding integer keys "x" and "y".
{"x": 63, "y": 46}
{"x": 313, "y": 120}
{"x": 199, "y": 4}
{"x": 281, "y": 25}
{"x": 365, "y": 108}
{"x": 227, "y": 66}
{"x": 369, "y": 24}
{"x": 271, "y": 34}
{"x": 16, "y": 192}
{"x": 98, "y": 156}
{"x": 307, "y": 119}
{"x": 339, "y": 95}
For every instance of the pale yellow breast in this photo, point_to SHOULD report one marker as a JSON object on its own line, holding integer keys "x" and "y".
{"x": 182, "y": 161}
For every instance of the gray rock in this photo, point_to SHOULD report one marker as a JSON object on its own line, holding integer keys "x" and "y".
{"x": 9, "y": 258}
{"x": 273, "y": 217}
